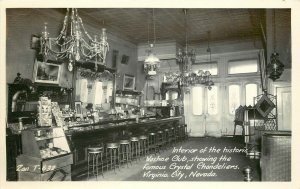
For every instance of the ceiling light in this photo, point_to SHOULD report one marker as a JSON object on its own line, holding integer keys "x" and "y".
{"x": 74, "y": 43}
{"x": 151, "y": 63}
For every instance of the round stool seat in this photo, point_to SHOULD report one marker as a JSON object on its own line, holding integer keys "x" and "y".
{"x": 134, "y": 139}
{"x": 166, "y": 130}
{"x": 95, "y": 149}
{"x": 152, "y": 134}
{"x": 143, "y": 137}
{"x": 124, "y": 142}
{"x": 112, "y": 145}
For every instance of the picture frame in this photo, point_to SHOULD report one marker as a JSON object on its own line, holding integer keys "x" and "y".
{"x": 128, "y": 82}
{"x": 46, "y": 72}
{"x": 125, "y": 59}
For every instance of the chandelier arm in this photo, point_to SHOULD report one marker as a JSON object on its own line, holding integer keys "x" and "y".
{"x": 56, "y": 52}
{"x": 89, "y": 55}
{"x": 63, "y": 55}
{"x": 84, "y": 30}
{"x": 99, "y": 45}
{"x": 86, "y": 44}
{"x": 64, "y": 44}
{"x": 64, "y": 28}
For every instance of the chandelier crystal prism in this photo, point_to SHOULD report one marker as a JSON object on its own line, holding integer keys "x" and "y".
{"x": 74, "y": 43}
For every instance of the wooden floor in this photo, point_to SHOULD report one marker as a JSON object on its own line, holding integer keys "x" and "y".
{"x": 224, "y": 161}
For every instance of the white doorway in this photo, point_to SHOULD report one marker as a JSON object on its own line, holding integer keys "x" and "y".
{"x": 204, "y": 111}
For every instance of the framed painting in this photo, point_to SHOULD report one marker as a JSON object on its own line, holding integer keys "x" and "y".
{"x": 46, "y": 72}
{"x": 125, "y": 59}
{"x": 128, "y": 82}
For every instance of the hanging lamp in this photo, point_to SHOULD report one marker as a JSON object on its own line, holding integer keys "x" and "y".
{"x": 151, "y": 63}
{"x": 275, "y": 68}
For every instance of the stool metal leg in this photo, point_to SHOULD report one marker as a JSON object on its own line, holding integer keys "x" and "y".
{"x": 88, "y": 166}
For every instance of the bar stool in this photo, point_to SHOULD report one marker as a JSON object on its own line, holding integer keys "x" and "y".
{"x": 178, "y": 133}
{"x": 125, "y": 151}
{"x": 112, "y": 151}
{"x": 94, "y": 154}
{"x": 181, "y": 132}
{"x": 172, "y": 135}
{"x": 160, "y": 139}
{"x": 168, "y": 137}
{"x": 186, "y": 136}
{"x": 153, "y": 142}
{"x": 135, "y": 147}
{"x": 144, "y": 145}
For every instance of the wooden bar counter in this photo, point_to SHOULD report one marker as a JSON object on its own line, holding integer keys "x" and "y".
{"x": 80, "y": 137}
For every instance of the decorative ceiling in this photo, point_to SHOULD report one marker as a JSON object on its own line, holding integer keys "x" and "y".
{"x": 225, "y": 25}
{"x": 136, "y": 24}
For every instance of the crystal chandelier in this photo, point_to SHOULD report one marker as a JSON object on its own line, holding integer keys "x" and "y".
{"x": 74, "y": 43}
{"x": 185, "y": 59}
{"x": 151, "y": 63}
{"x": 275, "y": 67}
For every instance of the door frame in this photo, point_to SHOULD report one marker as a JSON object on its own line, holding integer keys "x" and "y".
{"x": 276, "y": 86}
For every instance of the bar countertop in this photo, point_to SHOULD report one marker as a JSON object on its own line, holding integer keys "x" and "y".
{"x": 117, "y": 124}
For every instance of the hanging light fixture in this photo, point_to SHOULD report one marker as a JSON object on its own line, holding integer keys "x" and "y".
{"x": 151, "y": 63}
{"x": 207, "y": 78}
{"x": 74, "y": 43}
{"x": 275, "y": 67}
{"x": 185, "y": 59}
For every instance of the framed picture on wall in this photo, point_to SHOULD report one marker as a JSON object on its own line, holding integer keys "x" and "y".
{"x": 46, "y": 72}
{"x": 128, "y": 82}
{"x": 124, "y": 59}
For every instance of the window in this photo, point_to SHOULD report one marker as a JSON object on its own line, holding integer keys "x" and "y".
{"x": 234, "y": 98}
{"x": 242, "y": 66}
{"x": 212, "y": 100}
{"x": 211, "y": 67}
{"x": 197, "y": 96}
{"x": 251, "y": 92}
